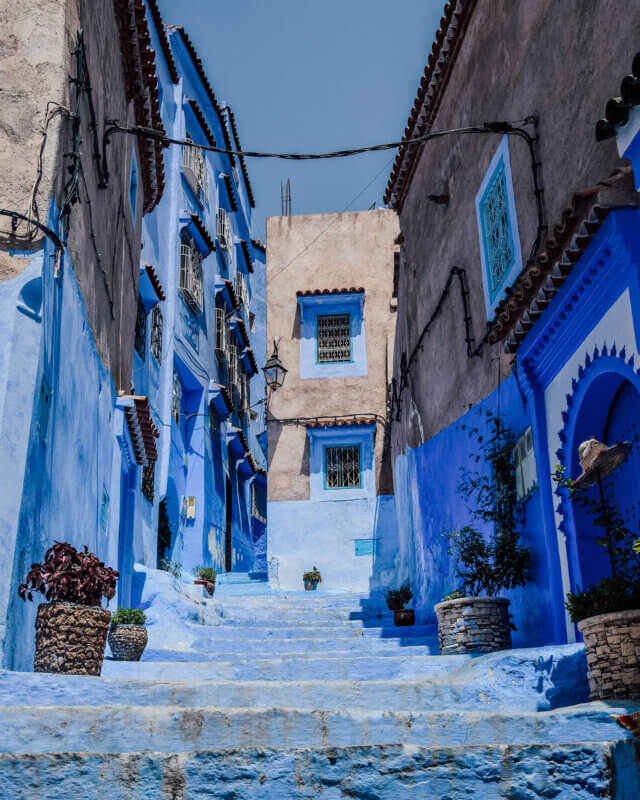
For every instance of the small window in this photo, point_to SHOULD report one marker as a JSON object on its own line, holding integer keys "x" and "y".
{"x": 365, "y": 547}
{"x": 221, "y": 332}
{"x": 241, "y": 290}
{"x": 223, "y": 230}
{"x": 334, "y": 338}
{"x": 496, "y": 229}
{"x": 148, "y": 480}
{"x": 176, "y": 397}
{"x": 232, "y": 364}
{"x": 156, "y": 333}
{"x": 133, "y": 185}
{"x": 342, "y": 467}
{"x": 245, "y": 397}
{"x": 258, "y": 503}
{"x": 141, "y": 330}
{"x": 191, "y": 276}
{"x": 195, "y": 170}
{"x": 525, "y": 465}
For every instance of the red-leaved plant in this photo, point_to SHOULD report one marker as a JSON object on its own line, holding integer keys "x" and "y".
{"x": 67, "y": 575}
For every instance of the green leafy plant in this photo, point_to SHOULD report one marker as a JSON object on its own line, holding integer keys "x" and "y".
{"x": 128, "y": 616}
{"x": 456, "y": 594}
{"x": 173, "y": 567}
{"x": 312, "y": 577}
{"x": 621, "y": 591}
{"x": 397, "y": 599}
{"x": 206, "y": 573}
{"x": 488, "y": 564}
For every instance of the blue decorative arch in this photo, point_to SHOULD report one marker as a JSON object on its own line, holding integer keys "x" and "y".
{"x": 593, "y": 391}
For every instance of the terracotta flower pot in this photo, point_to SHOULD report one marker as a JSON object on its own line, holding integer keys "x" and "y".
{"x": 473, "y": 625}
{"x": 209, "y": 586}
{"x": 127, "y": 642}
{"x": 310, "y": 586}
{"x": 404, "y": 617}
{"x": 612, "y": 643}
{"x": 70, "y": 638}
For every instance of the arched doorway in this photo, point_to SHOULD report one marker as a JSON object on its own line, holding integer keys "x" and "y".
{"x": 605, "y": 405}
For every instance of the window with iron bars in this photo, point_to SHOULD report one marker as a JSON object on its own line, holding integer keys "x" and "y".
{"x": 195, "y": 170}
{"x": 245, "y": 395}
{"x": 342, "y": 467}
{"x": 191, "y": 276}
{"x": 242, "y": 290}
{"x": 334, "y": 338}
{"x": 223, "y": 230}
{"x": 258, "y": 503}
{"x": 148, "y": 480}
{"x": 232, "y": 364}
{"x": 222, "y": 333}
{"x": 141, "y": 330}
{"x": 176, "y": 397}
{"x": 156, "y": 333}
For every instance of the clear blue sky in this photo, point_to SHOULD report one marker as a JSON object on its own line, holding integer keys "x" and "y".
{"x": 309, "y": 76}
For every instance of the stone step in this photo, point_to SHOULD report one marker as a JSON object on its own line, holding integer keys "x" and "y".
{"x": 174, "y": 729}
{"x": 566, "y": 771}
{"x": 338, "y": 646}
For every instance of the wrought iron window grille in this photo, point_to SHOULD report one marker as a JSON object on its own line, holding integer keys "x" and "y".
{"x": 176, "y": 397}
{"x": 222, "y": 332}
{"x": 156, "y": 333}
{"x": 333, "y": 338}
{"x": 195, "y": 170}
{"x": 191, "y": 276}
{"x": 141, "y": 330}
{"x": 223, "y": 230}
{"x": 496, "y": 225}
{"x": 148, "y": 480}
{"x": 342, "y": 467}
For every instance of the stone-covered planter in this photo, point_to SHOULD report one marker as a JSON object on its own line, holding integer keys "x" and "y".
{"x": 70, "y": 638}
{"x": 310, "y": 586}
{"x": 127, "y": 642}
{"x": 404, "y": 617}
{"x": 473, "y": 625}
{"x": 612, "y": 642}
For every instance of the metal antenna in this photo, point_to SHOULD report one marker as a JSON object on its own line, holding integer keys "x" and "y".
{"x": 285, "y": 197}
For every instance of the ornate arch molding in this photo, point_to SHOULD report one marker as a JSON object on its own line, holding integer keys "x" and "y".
{"x": 599, "y": 377}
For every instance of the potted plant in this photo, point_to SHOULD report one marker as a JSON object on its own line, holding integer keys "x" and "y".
{"x": 71, "y": 629}
{"x": 397, "y": 599}
{"x": 608, "y": 613}
{"x": 311, "y": 580}
{"x": 128, "y": 634}
{"x": 474, "y": 618}
{"x": 207, "y": 578}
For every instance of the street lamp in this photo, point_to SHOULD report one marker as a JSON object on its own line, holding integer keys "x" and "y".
{"x": 274, "y": 370}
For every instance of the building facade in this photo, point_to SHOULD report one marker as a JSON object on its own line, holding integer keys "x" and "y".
{"x": 329, "y": 297}
{"x": 528, "y": 311}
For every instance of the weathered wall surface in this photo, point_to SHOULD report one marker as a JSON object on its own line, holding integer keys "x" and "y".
{"x": 325, "y": 251}
{"x": 556, "y": 60}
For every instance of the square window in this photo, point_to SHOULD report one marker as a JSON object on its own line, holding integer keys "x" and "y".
{"x": 333, "y": 338}
{"x": 524, "y": 459}
{"x": 342, "y": 467}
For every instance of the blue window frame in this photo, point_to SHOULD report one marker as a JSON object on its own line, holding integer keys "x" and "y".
{"x": 342, "y": 467}
{"x": 498, "y": 229}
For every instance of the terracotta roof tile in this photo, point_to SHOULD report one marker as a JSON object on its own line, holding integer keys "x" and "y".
{"x": 230, "y": 191}
{"x": 258, "y": 244}
{"x": 202, "y": 230}
{"x": 331, "y": 422}
{"x": 243, "y": 166}
{"x": 247, "y": 254}
{"x": 164, "y": 41}
{"x": 155, "y": 281}
{"x": 310, "y": 292}
{"x": 142, "y": 430}
{"x": 538, "y": 283}
{"x": 199, "y": 115}
{"x": 243, "y": 331}
{"x": 618, "y": 108}
{"x": 448, "y": 39}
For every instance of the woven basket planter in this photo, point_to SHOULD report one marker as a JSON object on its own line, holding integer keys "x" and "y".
{"x": 70, "y": 638}
{"x": 473, "y": 625}
{"x": 127, "y": 642}
{"x": 612, "y": 642}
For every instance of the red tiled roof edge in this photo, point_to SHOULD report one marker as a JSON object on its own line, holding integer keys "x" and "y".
{"x": 453, "y": 26}
{"x": 138, "y": 64}
{"x": 243, "y": 330}
{"x": 330, "y": 422}
{"x": 142, "y": 429}
{"x": 197, "y": 63}
{"x": 259, "y": 245}
{"x": 203, "y": 232}
{"x": 310, "y": 292}
{"x": 538, "y": 282}
{"x": 230, "y": 191}
{"x": 252, "y": 359}
{"x": 243, "y": 166}
{"x": 235, "y": 302}
{"x": 247, "y": 254}
{"x": 155, "y": 281}
{"x": 164, "y": 41}
{"x": 199, "y": 115}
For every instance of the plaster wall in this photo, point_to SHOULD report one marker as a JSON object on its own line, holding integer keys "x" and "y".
{"x": 325, "y": 251}
{"x": 551, "y": 59}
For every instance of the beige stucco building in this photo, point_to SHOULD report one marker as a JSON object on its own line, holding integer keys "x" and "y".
{"x": 330, "y": 308}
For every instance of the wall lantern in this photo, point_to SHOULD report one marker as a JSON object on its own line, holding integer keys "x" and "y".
{"x": 274, "y": 370}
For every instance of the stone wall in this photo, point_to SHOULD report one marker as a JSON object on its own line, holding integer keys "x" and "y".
{"x": 612, "y": 642}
